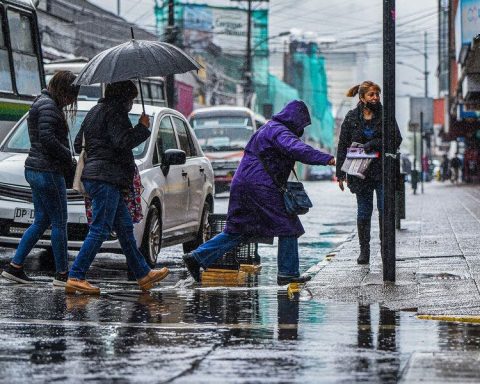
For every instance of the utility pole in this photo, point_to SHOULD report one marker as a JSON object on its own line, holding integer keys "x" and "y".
{"x": 421, "y": 151}
{"x": 389, "y": 152}
{"x": 171, "y": 38}
{"x": 248, "y": 64}
{"x": 248, "y": 71}
{"x": 118, "y": 7}
{"x": 424, "y": 136}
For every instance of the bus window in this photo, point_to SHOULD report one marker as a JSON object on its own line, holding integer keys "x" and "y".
{"x": 27, "y": 73}
{"x": 5, "y": 78}
{"x": 154, "y": 88}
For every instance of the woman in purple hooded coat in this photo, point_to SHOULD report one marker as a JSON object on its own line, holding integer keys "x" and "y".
{"x": 256, "y": 207}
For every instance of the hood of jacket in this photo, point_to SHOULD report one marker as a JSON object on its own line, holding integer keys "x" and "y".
{"x": 294, "y": 116}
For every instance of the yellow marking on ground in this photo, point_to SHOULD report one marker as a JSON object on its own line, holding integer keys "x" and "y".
{"x": 460, "y": 319}
{"x": 293, "y": 288}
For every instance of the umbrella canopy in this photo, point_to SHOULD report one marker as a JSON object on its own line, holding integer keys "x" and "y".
{"x": 135, "y": 59}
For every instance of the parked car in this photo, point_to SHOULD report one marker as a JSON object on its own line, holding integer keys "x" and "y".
{"x": 223, "y": 132}
{"x": 177, "y": 196}
{"x": 319, "y": 172}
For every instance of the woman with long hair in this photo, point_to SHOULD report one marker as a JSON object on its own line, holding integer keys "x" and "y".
{"x": 49, "y": 161}
{"x": 109, "y": 138}
{"x": 363, "y": 125}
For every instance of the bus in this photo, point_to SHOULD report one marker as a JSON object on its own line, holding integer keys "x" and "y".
{"x": 153, "y": 87}
{"x": 223, "y": 133}
{"x": 22, "y": 75}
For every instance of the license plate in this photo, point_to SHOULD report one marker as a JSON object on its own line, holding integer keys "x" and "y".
{"x": 24, "y": 215}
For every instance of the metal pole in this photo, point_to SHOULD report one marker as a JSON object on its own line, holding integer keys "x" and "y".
{"x": 421, "y": 151}
{"x": 248, "y": 64}
{"x": 118, "y": 7}
{"x": 389, "y": 141}
{"x": 425, "y": 61}
{"x": 414, "y": 158}
{"x": 170, "y": 79}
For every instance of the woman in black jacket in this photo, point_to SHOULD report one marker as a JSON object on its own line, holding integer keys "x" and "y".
{"x": 109, "y": 169}
{"x": 49, "y": 161}
{"x": 364, "y": 125}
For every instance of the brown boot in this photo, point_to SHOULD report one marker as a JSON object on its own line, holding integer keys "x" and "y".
{"x": 154, "y": 276}
{"x": 81, "y": 286}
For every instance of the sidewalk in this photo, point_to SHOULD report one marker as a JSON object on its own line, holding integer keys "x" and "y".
{"x": 438, "y": 259}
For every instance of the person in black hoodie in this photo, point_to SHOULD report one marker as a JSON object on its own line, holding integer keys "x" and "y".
{"x": 109, "y": 169}
{"x": 364, "y": 125}
{"x": 49, "y": 161}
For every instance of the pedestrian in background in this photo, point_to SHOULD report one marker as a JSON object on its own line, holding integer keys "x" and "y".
{"x": 109, "y": 169}
{"x": 456, "y": 164}
{"x": 48, "y": 163}
{"x": 445, "y": 168}
{"x": 256, "y": 206}
{"x": 364, "y": 125}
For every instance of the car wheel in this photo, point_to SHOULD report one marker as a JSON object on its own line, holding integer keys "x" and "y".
{"x": 202, "y": 231}
{"x": 152, "y": 236}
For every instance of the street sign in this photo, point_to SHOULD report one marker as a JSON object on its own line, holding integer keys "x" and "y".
{"x": 418, "y": 105}
{"x": 413, "y": 127}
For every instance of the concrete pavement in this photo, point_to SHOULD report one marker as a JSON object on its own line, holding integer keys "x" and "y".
{"x": 438, "y": 259}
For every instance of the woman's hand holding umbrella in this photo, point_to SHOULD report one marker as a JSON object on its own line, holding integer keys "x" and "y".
{"x": 144, "y": 120}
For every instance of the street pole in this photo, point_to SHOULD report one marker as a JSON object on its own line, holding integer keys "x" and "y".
{"x": 248, "y": 64}
{"x": 247, "y": 74}
{"x": 414, "y": 158}
{"x": 170, "y": 79}
{"x": 118, "y": 7}
{"x": 421, "y": 151}
{"x": 389, "y": 152}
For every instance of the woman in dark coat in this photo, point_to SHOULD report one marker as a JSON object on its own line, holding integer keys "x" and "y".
{"x": 256, "y": 206}
{"x": 109, "y": 169}
{"x": 364, "y": 125}
{"x": 49, "y": 161}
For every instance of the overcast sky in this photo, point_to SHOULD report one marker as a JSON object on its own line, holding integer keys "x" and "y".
{"x": 350, "y": 22}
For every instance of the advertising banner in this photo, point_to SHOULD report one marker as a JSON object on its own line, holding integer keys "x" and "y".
{"x": 467, "y": 25}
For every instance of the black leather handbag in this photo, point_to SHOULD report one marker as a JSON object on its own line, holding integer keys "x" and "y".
{"x": 294, "y": 195}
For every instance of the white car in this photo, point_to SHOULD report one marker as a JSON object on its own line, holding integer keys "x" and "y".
{"x": 176, "y": 175}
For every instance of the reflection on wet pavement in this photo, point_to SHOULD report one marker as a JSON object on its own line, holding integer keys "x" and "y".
{"x": 241, "y": 334}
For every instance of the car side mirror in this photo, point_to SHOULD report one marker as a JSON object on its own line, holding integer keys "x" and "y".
{"x": 172, "y": 157}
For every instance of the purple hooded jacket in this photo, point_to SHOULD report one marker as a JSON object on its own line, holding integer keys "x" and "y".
{"x": 256, "y": 205}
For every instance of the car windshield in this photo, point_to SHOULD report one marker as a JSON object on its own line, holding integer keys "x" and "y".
{"x": 222, "y": 133}
{"x": 19, "y": 141}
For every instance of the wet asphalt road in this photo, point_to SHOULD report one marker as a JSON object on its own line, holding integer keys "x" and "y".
{"x": 245, "y": 334}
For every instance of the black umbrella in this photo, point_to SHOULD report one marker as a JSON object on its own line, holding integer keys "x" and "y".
{"x": 135, "y": 59}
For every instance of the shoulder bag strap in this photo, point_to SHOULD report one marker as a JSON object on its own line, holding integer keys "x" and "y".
{"x": 280, "y": 187}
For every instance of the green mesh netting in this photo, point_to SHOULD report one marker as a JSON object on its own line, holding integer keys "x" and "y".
{"x": 310, "y": 78}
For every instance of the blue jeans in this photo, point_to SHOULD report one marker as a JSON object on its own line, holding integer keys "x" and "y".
{"x": 365, "y": 201}
{"x": 288, "y": 264}
{"x": 49, "y": 196}
{"x": 109, "y": 212}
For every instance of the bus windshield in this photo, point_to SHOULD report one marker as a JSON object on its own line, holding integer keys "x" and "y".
{"x": 19, "y": 141}
{"x": 222, "y": 133}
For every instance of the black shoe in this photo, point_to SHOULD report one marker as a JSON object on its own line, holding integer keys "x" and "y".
{"x": 282, "y": 280}
{"x": 192, "y": 265}
{"x": 60, "y": 279}
{"x": 16, "y": 274}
